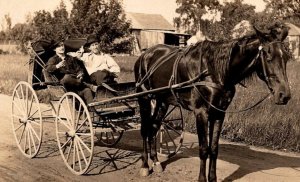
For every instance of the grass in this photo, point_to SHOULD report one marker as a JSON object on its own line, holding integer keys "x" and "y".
{"x": 268, "y": 125}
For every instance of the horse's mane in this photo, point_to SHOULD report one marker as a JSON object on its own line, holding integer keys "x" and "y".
{"x": 217, "y": 54}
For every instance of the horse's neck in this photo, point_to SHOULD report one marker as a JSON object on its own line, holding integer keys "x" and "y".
{"x": 243, "y": 62}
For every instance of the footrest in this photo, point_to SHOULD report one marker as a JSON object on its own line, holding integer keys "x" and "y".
{"x": 116, "y": 112}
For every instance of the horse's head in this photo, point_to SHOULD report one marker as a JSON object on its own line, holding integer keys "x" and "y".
{"x": 273, "y": 56}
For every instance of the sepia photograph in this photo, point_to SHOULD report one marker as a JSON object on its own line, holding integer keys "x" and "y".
{"x": 150, "y": 90}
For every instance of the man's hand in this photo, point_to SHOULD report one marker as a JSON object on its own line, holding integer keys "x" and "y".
{"x": 80, "y": 76}
{"x": 61, "y": 64}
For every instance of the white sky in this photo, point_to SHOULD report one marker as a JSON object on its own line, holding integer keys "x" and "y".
{"x": 17, "y": 9}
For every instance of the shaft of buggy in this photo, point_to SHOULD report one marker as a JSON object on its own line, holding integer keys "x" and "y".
{"x": 126, "y": 98}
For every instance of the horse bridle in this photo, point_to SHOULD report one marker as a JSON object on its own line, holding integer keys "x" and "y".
{"x": 260, "y": 55}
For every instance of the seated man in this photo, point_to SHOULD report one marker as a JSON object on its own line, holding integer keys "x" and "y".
{"x": 70, "y": 72}
{"x": 101, "y": 67}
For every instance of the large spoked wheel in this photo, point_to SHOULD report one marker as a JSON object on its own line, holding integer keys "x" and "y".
{"x": 27, "y": 119}
{"x": 74, "y": 131}
{"x": 171, "y": 133}
{"x": 109, "y": 138}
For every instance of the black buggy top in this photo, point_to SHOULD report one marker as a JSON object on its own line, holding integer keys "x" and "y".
{"x": 41, "y": 51}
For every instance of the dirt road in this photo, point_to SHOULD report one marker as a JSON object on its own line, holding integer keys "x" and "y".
{"x": 236, "y": 162}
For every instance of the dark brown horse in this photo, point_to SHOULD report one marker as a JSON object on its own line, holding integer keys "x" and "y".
{"x": 219, "y": 66}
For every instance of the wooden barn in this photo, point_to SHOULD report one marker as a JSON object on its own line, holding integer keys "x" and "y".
{"x": 294, "y": 40}
{"x": 151, "y": 29}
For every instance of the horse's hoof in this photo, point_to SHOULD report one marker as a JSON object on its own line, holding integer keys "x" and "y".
{"x": 157, "y": 167}
{"x": 144, "y": 172}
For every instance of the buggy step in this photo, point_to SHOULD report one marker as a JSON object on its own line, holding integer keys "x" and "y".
{"x": 117, "y": 112}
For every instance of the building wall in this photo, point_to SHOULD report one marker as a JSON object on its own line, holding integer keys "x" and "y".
{"x": 294, "y": 43}
{"x": 149, "y": 39}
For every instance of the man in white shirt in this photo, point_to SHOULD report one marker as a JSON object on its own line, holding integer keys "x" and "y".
{"x": 101, "y": 67}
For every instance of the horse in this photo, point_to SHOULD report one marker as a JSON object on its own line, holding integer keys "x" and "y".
{"x": 216, "y": 68}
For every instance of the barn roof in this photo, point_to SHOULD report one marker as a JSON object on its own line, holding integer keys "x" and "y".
{"x": 149, "y": 21}
{"x": 294, "y": 30}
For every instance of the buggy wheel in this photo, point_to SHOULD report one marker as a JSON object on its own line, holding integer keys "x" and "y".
{"x": 110, "y": 138}
{"x": 171, "y": 132}
{"x": 74, "y": 131}
{"x": 26, "y": 119}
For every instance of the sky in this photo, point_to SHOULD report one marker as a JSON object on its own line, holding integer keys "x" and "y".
{"x": 18, "y": 9}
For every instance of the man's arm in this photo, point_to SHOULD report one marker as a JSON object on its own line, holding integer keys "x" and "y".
{"x": 51, "y": 65}
{"x": 112, "y": 66}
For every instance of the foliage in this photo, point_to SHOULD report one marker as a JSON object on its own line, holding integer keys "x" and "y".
{"x": 192, "y": 13}
{"x": 105, "y": 19}
{"x": 101, "y": 17}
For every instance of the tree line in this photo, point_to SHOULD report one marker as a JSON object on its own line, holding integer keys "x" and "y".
{"x": 108, "y": 20}
{"x": 192, "y": 13}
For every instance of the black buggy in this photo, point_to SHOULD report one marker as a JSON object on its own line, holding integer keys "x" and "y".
{"x": 77, "y": 128}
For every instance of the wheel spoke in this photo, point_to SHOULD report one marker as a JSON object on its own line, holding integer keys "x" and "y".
{"x": 81, "y": 125}
{"x": 67, "y": 117}
{"x": 74, "y": 155}
{"x": 69, "y": 151}
{"x": 32, "y": 139}
{"x": 63, "y": 146}
{"x": 20, "y": 110}
{"x": 22, "y": 91}
{"x": 33, "y": 113}
{"x": 64, "y": 123}
{"x": 80, "y": 140}
{"x": 78, "y": 117}
{"x": 22, "y": 134}
{"x": 82, "y": 153}
{"x": 34, "y": 132}
{"x": 22, "y": 124}
{"x": 173, "y": 129}
{"x": 71, "y": 115}
{"x": 30, "y": 107}
{"x": 20, "y": 102}
{"x": 78, "y": 154}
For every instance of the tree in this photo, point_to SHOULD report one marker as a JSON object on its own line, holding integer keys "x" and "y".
{"x": 286, "y": 10}
{"x": 8, "y": 21}
{"x": 60, "y": 21}
{"x": 233, "y": 13}
{"x": 106, "y": 19}
{"x": 191, "y": 12}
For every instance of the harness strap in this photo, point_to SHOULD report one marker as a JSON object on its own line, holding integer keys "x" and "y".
{"x": 238, "y": 111}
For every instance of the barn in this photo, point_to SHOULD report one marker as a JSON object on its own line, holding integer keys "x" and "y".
{"x": 151, "y": 29}
{"x": 294, "y": 40}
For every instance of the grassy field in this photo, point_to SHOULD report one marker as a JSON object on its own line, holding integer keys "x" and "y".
{"x": 269, "y": 125}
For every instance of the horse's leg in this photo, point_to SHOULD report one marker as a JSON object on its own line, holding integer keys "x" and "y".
{"x": 160, "y": 112}
{"x": 214, "y": 135}
{"x": 202, "y": 130}
{"x": 145, "y": 112}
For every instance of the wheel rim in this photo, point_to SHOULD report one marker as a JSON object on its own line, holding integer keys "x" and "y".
{"x": 109, "y": 139}
{"x": 26, "y": 119}
{"x": 171, "y": 133}
{"x": 74, "y": 131}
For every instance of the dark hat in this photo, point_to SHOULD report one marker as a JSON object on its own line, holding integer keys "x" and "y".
{"x": 57, "y": 43}
{"x": 91, "y": 39}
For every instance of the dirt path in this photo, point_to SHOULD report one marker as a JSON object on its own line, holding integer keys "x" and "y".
{"x": 236, "y": 162}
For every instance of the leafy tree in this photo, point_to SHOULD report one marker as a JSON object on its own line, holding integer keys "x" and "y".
{"x": 60, "y": 21}
{"x": 191, "y": 12}
{"x": 232, "y": 14}
{"x": 103, "y": 18}
{"x": 287, "y": 10}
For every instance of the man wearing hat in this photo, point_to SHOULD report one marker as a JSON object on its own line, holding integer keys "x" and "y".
{"x": 70, "y": 72}
{"x": 101, "y": 67}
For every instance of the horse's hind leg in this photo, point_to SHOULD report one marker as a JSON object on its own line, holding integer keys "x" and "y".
{"x": 159, "y": 113}
{"x": 145, "y": 112}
